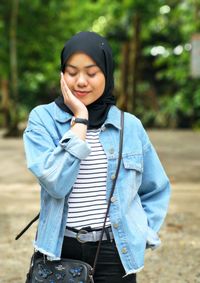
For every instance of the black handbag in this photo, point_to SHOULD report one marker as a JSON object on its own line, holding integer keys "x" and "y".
{"x": 68, "y": 270}
{"x": 64, "y": 270}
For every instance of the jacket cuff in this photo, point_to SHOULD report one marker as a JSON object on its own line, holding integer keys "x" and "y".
{"x": 153, "y": 241}
{"x": 74, "y": 145}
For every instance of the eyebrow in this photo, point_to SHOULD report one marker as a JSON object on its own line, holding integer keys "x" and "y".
{"x": 87, "y": 67}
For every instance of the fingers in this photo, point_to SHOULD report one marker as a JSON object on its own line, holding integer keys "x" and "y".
{"x": 65, "y": 89}
{"x": 64, "y": 84}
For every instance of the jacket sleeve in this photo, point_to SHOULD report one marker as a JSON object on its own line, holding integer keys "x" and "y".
{"x": 55, "y": 166}
{"x": 154, "y": 191}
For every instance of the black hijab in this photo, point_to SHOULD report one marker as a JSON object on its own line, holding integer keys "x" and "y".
{"x": 99, "y": 50}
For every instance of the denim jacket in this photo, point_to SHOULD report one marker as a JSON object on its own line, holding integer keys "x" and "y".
{"x": 141, "y": 196}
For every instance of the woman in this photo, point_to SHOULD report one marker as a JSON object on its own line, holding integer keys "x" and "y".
{"x": 72, "y": 148}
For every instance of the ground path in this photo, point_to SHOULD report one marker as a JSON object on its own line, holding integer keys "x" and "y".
{"x": 176, "y": 261}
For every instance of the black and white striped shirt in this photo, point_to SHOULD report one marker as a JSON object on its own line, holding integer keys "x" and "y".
{"x": 87, "y": 201}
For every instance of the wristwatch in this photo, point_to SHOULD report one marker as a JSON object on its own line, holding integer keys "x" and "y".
{"x": 75, "y": 120}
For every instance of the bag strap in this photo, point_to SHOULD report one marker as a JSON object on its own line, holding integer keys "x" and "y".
{"x": 109, "y": 201}
{"x": 27, "y": 226}
{"x": 112, "y": 190}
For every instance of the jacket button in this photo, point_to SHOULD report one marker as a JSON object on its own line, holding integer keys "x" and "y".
{"x": 115, "y": 225}
{"x": 124, "y": 250}
{"x": 113, "y": 177}
{"x": 113, "y": 199}
{"x": 111, "y": 150}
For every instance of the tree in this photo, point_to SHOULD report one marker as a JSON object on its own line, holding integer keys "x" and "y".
{"x": 13, "y": 125}
{"x": 152, "y": 78}
{"x": 4, "y": 66}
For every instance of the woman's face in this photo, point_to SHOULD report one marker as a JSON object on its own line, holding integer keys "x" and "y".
{"x": 84, "y": 78}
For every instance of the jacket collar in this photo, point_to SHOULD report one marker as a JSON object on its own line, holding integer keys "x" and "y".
{"x": 113, "y": 117}
{"x": 60, "y": 115}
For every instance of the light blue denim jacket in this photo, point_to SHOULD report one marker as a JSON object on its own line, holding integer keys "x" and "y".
{"x": 141, "y": 196}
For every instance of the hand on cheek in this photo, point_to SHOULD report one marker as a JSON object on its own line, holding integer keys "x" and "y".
{"x": 74, "y": 104}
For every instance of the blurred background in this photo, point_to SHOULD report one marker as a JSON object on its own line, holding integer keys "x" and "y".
{"x": 156, "y": 46}
{"x": 157, "y": 70}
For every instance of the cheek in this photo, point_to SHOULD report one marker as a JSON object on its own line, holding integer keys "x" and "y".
{"x": 101, "y": 89}
{"x": 100, "y": 84}
{"x": 69, "y": 81}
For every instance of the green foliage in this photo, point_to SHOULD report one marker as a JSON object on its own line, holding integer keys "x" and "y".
{"x": 166, "y": 93}
{"x": 4, "y": 42}
{"x": 177, "y": 92}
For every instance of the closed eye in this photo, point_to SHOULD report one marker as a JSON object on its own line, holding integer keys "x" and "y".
{"x": 92, "y": 75}
{"x": 72, "y": 74}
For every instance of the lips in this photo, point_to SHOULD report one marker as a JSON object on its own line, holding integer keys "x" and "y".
{"x": 81, "y": 93}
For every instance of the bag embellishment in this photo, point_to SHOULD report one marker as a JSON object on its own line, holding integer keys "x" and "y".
{"x": 43, "y": 271}
{"x": 76, "y": 271}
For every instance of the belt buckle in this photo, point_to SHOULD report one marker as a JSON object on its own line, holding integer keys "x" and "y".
{"x": 82, "y": 231}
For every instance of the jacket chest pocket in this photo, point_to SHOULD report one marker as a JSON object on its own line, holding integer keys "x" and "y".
{"x": 133, "y": 168}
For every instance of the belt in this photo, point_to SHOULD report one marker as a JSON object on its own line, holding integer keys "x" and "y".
{"x": 84, "y": 236}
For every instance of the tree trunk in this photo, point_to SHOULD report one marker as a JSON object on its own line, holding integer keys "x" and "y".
{"x": 13, "y": 127}
{"x": 5, "y": 103}
{"x": 197, "y": 15}
{"x": 125, "y": 69}
{"x": 135, "y": 60}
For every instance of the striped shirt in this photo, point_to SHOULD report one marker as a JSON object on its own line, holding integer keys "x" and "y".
{"x": 87, "y": 201}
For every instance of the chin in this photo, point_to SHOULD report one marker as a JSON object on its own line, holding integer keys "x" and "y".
{"x": 86, "y": 103}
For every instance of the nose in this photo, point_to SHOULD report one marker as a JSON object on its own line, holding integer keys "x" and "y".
{"x": 82, "y": 80}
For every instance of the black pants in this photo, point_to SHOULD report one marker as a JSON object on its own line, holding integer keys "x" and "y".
{"x": 109, "y": 268}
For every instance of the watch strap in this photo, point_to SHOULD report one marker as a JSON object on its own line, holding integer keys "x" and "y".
{"x": 79, "y": 120}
